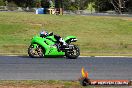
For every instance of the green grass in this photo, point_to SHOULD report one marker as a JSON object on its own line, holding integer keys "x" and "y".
{"x": 96, "y": 35}
{"x": 41, "y": 84}
{"x": 47, "y": 84}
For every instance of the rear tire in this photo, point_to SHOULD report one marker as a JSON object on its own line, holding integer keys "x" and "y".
{"x": 74, "y": 53}
{"x": 35, "y": 52}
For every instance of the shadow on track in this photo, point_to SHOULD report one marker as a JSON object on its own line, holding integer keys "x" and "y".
{"x": 47, "y": 57}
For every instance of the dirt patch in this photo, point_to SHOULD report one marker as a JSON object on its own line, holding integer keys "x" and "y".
{"x": 36, "y": 24}
{"x": 128, "y": 19}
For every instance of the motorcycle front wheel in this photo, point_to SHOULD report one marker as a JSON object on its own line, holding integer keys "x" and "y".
{"x": 73, "y": 53}
{"x": 35, "y": 51}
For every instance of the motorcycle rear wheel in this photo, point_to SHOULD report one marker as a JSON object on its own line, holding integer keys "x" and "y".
{"x": 37, "y": 52}
{"x": 74, "y": 53}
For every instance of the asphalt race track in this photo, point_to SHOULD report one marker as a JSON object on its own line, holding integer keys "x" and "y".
{"x": 25, "y": 68}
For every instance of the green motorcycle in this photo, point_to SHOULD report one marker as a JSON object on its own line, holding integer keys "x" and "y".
{"x": 48, "y": 46}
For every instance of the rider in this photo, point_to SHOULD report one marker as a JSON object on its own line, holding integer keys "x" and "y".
{"x": 58, "y": 38}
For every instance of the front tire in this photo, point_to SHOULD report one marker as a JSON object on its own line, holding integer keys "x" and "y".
{"x": 74, "y": 53}
{"x": 35, "y": 52}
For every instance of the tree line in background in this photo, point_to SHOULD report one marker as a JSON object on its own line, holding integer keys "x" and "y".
{"x": 92, "y": 5}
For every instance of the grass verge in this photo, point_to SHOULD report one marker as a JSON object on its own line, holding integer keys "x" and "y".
{"x": 96, "y": 35}
{"x": 48, "y": 84}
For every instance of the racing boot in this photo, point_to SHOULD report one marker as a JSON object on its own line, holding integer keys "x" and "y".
{"x": 64, "y": 44}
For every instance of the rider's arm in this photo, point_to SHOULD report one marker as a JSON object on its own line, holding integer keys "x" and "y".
{"x": 50, "y": 33}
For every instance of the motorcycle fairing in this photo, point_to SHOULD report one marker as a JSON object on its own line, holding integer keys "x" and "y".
{"x": 48, "y": 45}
